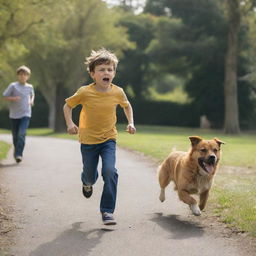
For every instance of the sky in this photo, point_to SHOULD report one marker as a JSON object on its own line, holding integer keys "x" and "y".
{"x": 139, "y": 3}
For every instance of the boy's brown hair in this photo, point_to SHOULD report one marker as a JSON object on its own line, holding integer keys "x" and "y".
{"x": 24, "y": 69}
{"x": 102, "y": 56}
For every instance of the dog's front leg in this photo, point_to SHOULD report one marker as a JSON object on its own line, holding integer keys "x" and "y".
{"x": 188, "y": 199}
{"x": 162, "y": 195}
{"x": 203, "y": 199}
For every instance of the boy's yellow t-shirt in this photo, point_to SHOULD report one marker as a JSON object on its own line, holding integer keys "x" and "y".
{"x": 97, "y": 121}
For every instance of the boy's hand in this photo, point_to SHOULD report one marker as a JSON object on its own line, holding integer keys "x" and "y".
{"x": 72, "y": 129}
{"x": 15, "y": 98}
{"x": 131, "y": 128}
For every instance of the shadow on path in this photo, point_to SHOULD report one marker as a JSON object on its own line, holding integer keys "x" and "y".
{"x": 71, "y": 242}
{"x": 180, "y": 229}
{"x": 8, "y": 165}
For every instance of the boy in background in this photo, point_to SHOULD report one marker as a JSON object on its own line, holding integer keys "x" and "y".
{"x": 21, "y": 96}
{"x": 97, "y": 127}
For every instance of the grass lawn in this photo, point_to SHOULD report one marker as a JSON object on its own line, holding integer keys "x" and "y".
{"x": 234, "y": 191}
{"x": 4, "y": 148}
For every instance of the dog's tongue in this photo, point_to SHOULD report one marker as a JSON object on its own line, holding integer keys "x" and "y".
{"x": 209, "y": 168}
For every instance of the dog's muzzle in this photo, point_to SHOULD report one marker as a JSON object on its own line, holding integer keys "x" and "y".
{"x": 211, "y": 159}
{"x": 207, "y": 164}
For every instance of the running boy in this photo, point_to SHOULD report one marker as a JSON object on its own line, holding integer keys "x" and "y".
{"x": 97, "y": 130}
{"x": 21, "y": 96}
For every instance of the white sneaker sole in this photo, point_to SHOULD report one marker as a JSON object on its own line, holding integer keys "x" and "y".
{"x": 109, "y": 222}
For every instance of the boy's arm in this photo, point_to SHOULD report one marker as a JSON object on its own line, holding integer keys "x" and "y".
{"x": 129, "y": 115}
{"x": 32, "y": 97}
{"x": 71, "y": 127}
{"x": 8, "y": 94}
{"x": 12, "y": 98}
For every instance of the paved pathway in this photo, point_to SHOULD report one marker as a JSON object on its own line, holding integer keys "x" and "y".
{"x": 54, "y": 219}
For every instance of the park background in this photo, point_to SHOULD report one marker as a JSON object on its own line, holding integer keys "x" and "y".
{"x": 179, "y": 60}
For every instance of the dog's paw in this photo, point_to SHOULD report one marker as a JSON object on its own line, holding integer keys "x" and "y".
{"x": 162, "y": 195}
{"x": 195, "y": 209}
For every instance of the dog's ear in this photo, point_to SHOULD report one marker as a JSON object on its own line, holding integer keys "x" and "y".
{"x": 219, "y": 141}
{"x": 195, "y": 140}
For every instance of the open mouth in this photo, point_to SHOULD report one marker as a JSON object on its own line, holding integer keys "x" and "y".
{"x": 106, "y": 79}
{"x": 207, "y": 167}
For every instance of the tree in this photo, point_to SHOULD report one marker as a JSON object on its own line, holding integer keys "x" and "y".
{"x": 189, "y": 43}
{"x": 200, "y": 40}
{"x": 236, "y": 10}
{"x": 61, "y": 44}
{"x": 231, "y": 122}
{"x": 134, "y": 70}
{"x": 13, "y": 27}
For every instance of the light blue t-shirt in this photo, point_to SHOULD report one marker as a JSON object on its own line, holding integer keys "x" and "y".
{"x": 22, "y": 107}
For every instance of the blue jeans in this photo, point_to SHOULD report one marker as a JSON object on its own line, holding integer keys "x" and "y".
{"x": 90, "y": 156}
{"x": 19, "y": 127}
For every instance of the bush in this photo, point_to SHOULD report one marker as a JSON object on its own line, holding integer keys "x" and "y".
{"x": 162, "y": 113}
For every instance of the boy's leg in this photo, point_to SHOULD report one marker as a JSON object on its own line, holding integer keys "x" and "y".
{"x": 21, "y": 135}
{"x": 110, "y": 176}
{"x": 90, "y": 157}
{"x": 15, "y": 129}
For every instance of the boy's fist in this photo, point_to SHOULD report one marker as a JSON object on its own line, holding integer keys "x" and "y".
{"x": 131, "y": 128}
{"x": 72, "y": 129}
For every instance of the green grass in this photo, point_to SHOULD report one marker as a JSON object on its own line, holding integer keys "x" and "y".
{"x": 235, "y": 198}
{"x": 4, "y": 148}
{"x": 158, "y": 141}
{"x": 4, "y": 131}
{"x": 234, "y": 192}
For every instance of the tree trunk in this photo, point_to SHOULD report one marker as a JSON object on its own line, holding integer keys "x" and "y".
{"x": 231, "y": 118}
{"x": 52, "y": 114}
{"x": 59, "y": 125}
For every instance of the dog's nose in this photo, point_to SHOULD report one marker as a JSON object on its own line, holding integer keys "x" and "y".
{"x": 211, "y": 159}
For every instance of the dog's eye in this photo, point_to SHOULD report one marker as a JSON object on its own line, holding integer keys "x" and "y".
{"x": 203, "y": 150}
{"x": 215, "y": 150}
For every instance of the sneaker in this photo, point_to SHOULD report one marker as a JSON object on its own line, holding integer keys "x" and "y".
{"x": 108, "y": 218}
{"x": 18, "y": 159}
{"x": 87, "y": 191}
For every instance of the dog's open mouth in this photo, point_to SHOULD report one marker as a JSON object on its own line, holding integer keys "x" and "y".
{"x": 207, "y": 167}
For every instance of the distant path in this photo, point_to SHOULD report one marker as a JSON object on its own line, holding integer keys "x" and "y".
{"x": 54, "y": 219}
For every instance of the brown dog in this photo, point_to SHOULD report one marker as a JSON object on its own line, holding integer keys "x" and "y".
{"x": 192, "y": 172}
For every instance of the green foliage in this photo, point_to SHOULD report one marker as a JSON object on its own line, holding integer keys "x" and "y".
{"x": 134, "y": 70}
{"x": 170, "y": 40}
{"x": 13, "y": 28}
{"x": 61, "y": 44}
{"x": 192, "y": 43}
{"x": 162, "y": 113}
{"x": 177, "y": 95}
{"x": 155, "y": 7}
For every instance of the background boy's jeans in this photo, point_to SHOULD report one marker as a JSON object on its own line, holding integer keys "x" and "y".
{"x": 90, "y": 155}
{"x": 19, "y": 127}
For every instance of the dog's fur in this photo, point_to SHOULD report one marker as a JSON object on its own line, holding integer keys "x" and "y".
{"x": 192, "y": 172}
